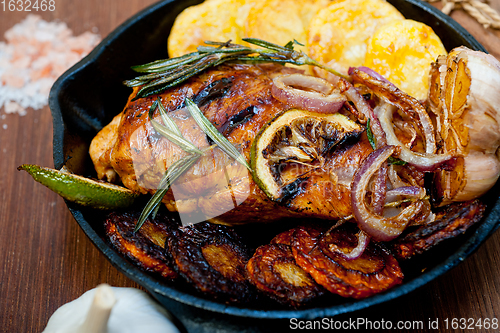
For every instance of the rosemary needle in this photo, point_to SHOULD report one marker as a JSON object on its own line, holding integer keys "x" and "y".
{"x": 174, "y": 171}
{"x": 163, "y": 74}
{"x": 214, "y": 134}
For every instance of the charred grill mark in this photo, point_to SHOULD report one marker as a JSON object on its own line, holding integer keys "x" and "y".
{"x": 290, "y": 191}
{"x": 240, "y": 118}
{"x": 214, "y": 90}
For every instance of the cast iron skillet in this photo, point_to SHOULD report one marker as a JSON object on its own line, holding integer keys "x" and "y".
{"x": 90, "y": 94}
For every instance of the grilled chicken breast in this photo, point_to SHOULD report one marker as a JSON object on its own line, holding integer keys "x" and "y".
{"x": 237, "y": 100}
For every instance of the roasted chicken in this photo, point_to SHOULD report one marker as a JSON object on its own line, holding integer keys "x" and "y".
{"x": 238, "y": 101}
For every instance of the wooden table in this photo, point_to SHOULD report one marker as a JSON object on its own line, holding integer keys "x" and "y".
{"x": 46, "y": 260}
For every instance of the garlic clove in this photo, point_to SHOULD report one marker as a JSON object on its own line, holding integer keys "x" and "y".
{"x": 464, "y": 98}
{"x": 482, "y": 171}
{"x": 473, "y": 176}
{"x": 108, "y": 309}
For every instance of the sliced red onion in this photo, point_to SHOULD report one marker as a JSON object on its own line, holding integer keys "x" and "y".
{"x": 378, "y": 227}
{"x": 364, "y": 108}
{"x": 379, "y": 189}
{"x": 308, "y": 93}
{"x": 370, "y": 72}
{"x": 421, "y": 161}
{"x": 355, "y": 253}
{"x": 414, "y": 192}
{"x": 394, "y": 178}
{"x": 392, "y": 95}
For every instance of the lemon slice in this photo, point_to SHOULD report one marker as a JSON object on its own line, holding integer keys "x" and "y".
{"x": 294, "y": 144}
{"x": 81, "y": 190}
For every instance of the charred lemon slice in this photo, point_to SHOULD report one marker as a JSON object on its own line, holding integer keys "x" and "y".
{"x": 81, "y": 190}
{"x": 294, "y": 144}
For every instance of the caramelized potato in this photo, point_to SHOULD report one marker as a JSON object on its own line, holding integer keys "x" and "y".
{"x": 212, "y": 258}
{"x": 338, "y": 34}
{"x": 279, "y": 21}
{"x": 373, "y": 272}
{"x": 402, "y": 51}
{"x": 145, "y": 247}
{"x": 215, "y": 20}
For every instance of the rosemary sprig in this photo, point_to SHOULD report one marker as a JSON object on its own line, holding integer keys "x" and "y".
{"x": 169, "y": 123}
{"x": 174, "y": 171}
{"x": 163, "y": 74}
{"x": 210, "y": 130}
{"x": 171, "y": 132}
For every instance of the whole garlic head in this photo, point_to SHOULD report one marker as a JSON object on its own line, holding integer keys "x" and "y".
{"x": 464, "y": 97}
{"x": 108, "y": 309}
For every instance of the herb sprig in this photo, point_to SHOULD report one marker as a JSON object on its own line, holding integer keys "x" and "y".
{"x": 172, "y": 133}
{"x": 163, "y": 74}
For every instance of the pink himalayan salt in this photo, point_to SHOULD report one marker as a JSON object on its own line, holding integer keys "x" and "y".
{"x": 36, "y": 53}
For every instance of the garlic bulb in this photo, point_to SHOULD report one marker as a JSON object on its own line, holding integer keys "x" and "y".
{"x": 108, "y": 309}
{"x": 464, "y": 97}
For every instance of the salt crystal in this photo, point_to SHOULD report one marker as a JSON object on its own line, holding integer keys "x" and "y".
{"x": 4, "y": 126}
{"x": 35, "y": 54}
{"x": 12, "y": 107}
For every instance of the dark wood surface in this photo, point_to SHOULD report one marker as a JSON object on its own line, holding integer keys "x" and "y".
{"x": 46, "y": 260}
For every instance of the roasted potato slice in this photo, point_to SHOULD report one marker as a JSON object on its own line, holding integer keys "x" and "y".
{"x": 371, "y": 273}
{"x": 279, "y": 21}
{"x": 212, "y": 258}
{"x": 146, "y": 246}
{"x": 338, "y": 34}
{"x": 402, "y": 51}
{"x": 273, "y": 270}
{"x": 450, "y": 221}
{"x": 215, "y": 20}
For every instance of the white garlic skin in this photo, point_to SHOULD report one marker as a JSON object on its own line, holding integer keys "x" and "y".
{"x": 483, "y": 118}
{"x": 134, "y": 312}
{"x": 482, "y": 171}
{"x": 480, "y": 118}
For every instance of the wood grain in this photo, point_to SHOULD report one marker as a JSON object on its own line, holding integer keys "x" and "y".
{"x": 47, "y": 261}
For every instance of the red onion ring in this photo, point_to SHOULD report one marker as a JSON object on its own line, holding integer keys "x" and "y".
{"x": 391, "y": 94}
{"x": 422, "y": 161}
{"x": 307, "y": 92}
{"x": 379, "y": 189}
{"x": 378, "y": 227}
{"x": 415, "y": 192}
{"x": 364, "y": 108}
{"x": 355, "y": 253}
{"x": 370, "y": 72}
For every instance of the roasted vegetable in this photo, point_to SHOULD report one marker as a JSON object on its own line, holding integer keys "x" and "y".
{"x": 402, "y": 51}
{"x": 338, "y": 34}
{"x": 319, "y": 251}
{"x": 273, "y": 270}
{"x": 212, "y": 258}
{"x": 145, "y": 247}
{"x": 450, "y": 221}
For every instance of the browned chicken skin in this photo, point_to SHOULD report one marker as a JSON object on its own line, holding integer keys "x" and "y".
{"x": 239, "y": 104}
